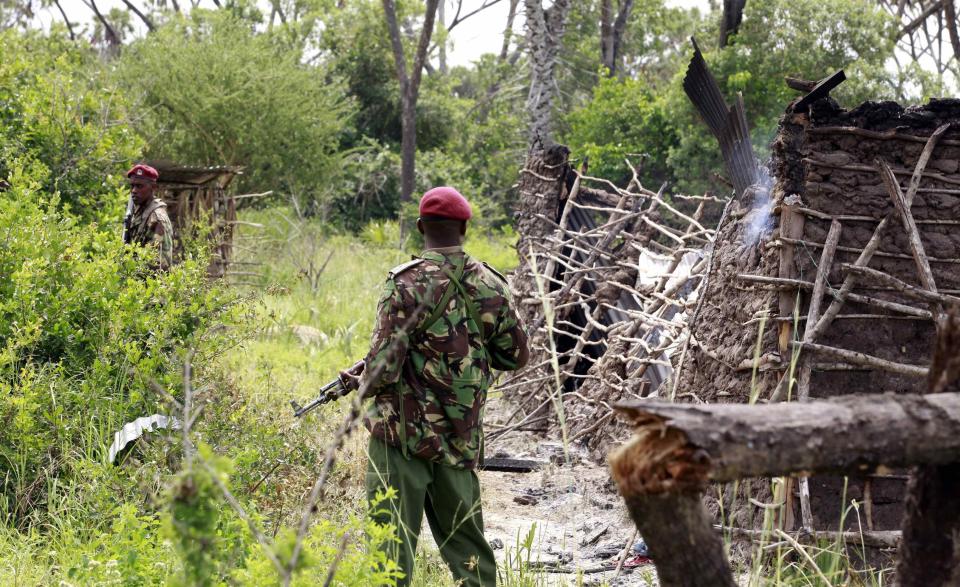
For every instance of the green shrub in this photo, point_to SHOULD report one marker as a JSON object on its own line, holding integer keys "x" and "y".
{"x": 368, "y": 188}
{"x": 625, "y": 119}
{"x": 60, "y": 113}
{"x": 236, "y": 96}
{"x": 83, "y": 328}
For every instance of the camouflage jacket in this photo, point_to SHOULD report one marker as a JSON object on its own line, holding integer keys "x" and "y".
{"x": 143, "y": 231}
{"x": 430, "y": 386}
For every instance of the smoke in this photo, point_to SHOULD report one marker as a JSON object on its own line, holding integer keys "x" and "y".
{"x": 759, "y": 220}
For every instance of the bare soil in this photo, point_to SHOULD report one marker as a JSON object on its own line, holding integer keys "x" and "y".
{"x": 579, "y": 523}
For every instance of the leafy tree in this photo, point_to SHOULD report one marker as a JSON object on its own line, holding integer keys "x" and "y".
{"x": 214, "y": 91}
{"x": 625, "y": 118}
{"x": 355, "y": 43}
{"x": 813, "y": 40}
{"x": 654, "y": 42}
{"x": 653, "y": 115}
{"x": 59, "y": 111}
{"x": 491, "y": 127}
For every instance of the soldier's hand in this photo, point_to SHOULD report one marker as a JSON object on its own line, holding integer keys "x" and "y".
{"x": 351, "y": 377}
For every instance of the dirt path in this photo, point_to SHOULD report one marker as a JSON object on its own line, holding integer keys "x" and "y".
{"x": 565, "y": 516}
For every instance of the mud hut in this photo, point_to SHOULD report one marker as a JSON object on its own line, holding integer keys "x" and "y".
{"x": 200, "y": 196}
{"x": 604, "y": 285}
{"x": 827, "y": 279}
{"x": 838, "y": 290}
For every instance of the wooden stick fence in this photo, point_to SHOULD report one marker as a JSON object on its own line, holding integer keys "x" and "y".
{"x": 588, "y": 253}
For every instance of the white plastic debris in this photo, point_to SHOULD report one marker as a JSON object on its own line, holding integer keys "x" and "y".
{"x": 653, "y": 266}
{"x": 134, "y": 430}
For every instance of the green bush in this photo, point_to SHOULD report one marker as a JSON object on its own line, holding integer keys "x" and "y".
{"x": 60, "y": 114}
{"x": 214, "y": 91}
{"x": 83, "y": 328}
{"x": 369, "y": 185}
{"x": 367, "y": 188}
{"x": 625, "y": 119}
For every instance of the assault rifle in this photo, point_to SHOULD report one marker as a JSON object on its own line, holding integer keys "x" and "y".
{"x": 127, "y": 218}
{"x": 329, "y": 392}
{"x": 339, "y": 388}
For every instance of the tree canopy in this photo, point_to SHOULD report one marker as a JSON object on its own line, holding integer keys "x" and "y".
{"x": 305, "y": 94}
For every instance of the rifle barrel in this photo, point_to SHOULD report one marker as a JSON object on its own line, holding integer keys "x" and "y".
{"x": 329, "y": 392}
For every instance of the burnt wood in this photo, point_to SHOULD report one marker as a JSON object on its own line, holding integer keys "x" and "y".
{"x": 821, "y": 90}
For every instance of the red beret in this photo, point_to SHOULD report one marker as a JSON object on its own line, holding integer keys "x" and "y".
{"x": 445, "y": 202}
{"x": 141, "y": 172}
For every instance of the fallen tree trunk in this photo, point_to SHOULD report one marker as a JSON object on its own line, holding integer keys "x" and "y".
{"x": 725, "y": 442}
{"x": 677, "y": 450}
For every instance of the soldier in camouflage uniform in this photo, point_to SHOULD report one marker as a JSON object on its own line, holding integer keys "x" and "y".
{"x": 444, "y": 323}
{"x": 148, "y": 224}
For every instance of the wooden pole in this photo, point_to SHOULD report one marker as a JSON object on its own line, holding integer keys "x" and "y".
{"x": 930, "y": 551}
{"x": 813, "y": 313}
{"x": 913, "y": 235}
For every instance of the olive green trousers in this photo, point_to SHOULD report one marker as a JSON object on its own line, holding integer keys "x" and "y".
{"x": 451, "y": 499}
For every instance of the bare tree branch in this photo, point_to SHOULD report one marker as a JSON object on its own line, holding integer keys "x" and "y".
{"x": 951, "y": 17}
{"x": 113, "y": 40}
{"x": 457, "y": 19}
{"x": 278, "y": 8}
{"x": 611, "y": 32}
{"x": 508, "y": 30}
{"x": 409, "y": 88}
{"x": 141, "y": 15}
{"x": 919, "y": 20}
{"x": 390, "y": 11}
{"x": 73, "y": 36}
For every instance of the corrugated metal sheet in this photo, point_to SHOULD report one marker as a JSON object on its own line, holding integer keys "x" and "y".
{"x": 728, "y": 125}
